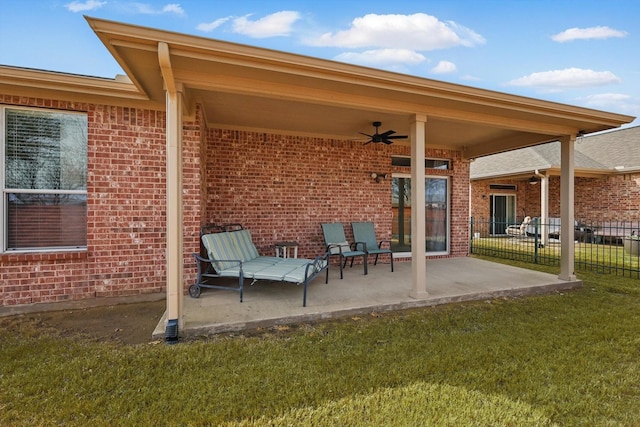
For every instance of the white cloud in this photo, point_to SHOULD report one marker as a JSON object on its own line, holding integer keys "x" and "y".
{"x": 208, "y": 27}
{"x": 77, "y": 6}
{"x": 568, "y": 78}
{"x": 613, "y": 102}
{"x": 146, "y": 9}
{"x": 173, "y": 8}
{"x": 607, "y": 98}
{"x": 587, "y": 33}
{"x": 417, "y": 32}
{"x": 444, "y": 67}
{"x": 468, "y": 37}
{"x": 276, "y": 24}
{"x": 382, "y": 57}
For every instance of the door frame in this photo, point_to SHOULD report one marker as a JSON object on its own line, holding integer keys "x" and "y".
{"x": 447, "y": 251}
{"x": 510, "y": 218}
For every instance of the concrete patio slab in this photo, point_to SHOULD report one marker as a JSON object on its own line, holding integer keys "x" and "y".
{"x": 267, "y": 304}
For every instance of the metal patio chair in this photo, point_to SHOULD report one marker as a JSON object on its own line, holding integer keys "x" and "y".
{"x": 519, "y": 230}
{"x": 337, "y": 245}
{"x": 365, "y": 232}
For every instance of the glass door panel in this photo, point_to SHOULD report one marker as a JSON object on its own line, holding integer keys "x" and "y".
{"x": 401, "y": 205}
{"x": 502, "y": 211}
{"x": 436, "y": 199}
{"x": 437, "y": 214}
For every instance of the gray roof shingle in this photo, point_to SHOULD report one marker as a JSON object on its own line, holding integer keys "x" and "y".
{"x": 603, "y": 152}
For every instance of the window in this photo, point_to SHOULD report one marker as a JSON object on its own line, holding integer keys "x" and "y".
{"x": 503, "y": 187}
{"x": 428, "y": 163}
{"x": 44, "y": 181}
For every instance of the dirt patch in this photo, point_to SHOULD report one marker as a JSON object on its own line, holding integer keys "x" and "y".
{"x": 122, "y": 323}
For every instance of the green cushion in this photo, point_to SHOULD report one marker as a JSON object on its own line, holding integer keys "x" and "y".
{"x": 221, "y": 249}
{"x": 248, "y": 270}
{"x": 275, "y": 272}
{"x": 297, "y": 275}
{"x": 294, "y": 262}
{"x": 244, "y": 244}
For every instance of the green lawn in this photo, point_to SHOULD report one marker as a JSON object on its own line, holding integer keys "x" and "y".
{"x": 570, "y": 359}
{"x": 588, "y": 256}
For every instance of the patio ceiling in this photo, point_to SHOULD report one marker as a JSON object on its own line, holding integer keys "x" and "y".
{"x": 243, "y": 87}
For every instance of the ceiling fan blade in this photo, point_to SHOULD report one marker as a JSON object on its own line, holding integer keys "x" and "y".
{"x": 384, "y": 137}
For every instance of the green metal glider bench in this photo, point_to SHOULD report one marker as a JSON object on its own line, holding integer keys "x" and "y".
{"x": 232, "y": 254}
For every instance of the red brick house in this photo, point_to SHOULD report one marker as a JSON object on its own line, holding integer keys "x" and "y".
{"x": 203, "y": 131}
{"x": 526, "y": 182}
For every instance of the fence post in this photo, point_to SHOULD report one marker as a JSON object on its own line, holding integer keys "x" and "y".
{"x": 471, "y": 236}
{"x": 535, "y": 241}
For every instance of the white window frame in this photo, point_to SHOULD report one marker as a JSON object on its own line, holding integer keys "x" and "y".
{"x": 4, "y": 191}
{"x": 447, "y": 251}
{"x": 449, "y": 162}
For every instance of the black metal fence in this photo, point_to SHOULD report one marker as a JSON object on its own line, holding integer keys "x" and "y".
{"x": 600, "y": 246}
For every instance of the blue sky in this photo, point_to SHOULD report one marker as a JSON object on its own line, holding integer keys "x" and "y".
{"x": 582, "y": 53}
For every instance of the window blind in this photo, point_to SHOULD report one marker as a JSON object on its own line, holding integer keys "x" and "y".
{"x": 45, "y": 179}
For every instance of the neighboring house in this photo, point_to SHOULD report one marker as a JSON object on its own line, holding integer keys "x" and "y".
{"x": 509, "y": 186}
{"x": 108, "y": 181}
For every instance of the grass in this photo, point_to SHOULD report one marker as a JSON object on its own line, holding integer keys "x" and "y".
{"x": 569, "y": 359}
{"x": 589, "y": 257}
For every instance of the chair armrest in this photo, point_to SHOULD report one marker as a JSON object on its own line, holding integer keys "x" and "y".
{"x": 317, "y": 265}
{"x": 388, "y": 242}
{"x": 200, "y": 261}
{"x": 199, "y": 258}
{"x": 334, "y": 245}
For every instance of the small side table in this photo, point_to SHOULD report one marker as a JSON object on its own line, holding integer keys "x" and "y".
{"x": 286, "y": 248}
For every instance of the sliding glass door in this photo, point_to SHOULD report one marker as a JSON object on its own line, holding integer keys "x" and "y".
{"x": 502, "y": 210}
{"x": 437, "y": 215}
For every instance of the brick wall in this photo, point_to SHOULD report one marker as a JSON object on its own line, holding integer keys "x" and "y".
{"x": 280, "y": 187}
{"x": 527, "y": 199}
{"x": 126, "y": 212}
{"x": 609, "y": 198}
{"x": 283, "y": 187}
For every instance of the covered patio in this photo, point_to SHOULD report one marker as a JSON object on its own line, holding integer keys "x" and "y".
{"x": 268, "y": 304}
{"x": 230, "y": 108}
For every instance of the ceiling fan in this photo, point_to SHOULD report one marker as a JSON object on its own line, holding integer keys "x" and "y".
{"x": 385, "y": 137}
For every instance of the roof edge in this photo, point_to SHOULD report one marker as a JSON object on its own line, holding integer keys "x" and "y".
{"x": 257, "y": 57}
{"x": 64, "y": 82}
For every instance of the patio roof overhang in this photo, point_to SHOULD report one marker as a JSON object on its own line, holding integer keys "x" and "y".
{"x": 525, "y": 174}
{"x": 245, "y": 87}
